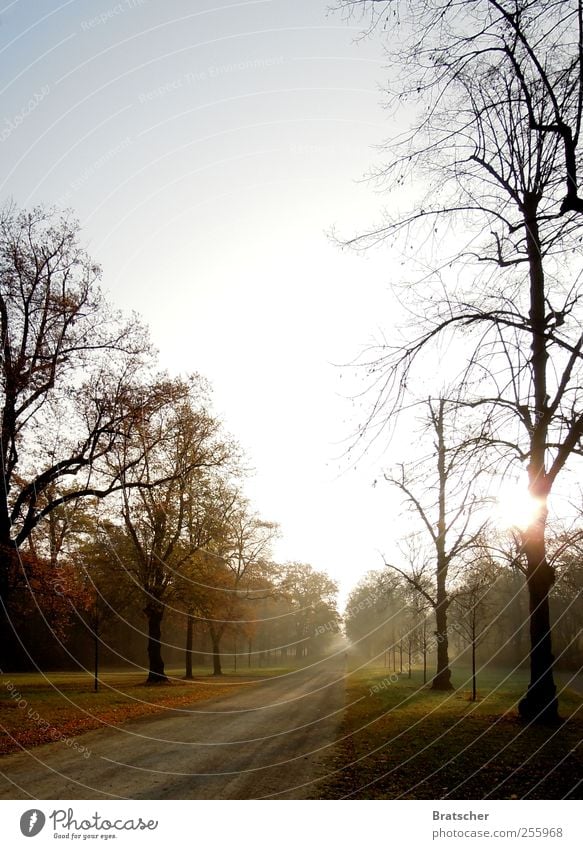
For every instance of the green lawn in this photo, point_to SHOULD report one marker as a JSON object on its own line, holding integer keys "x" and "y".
{"x": 39, "y": 708}
{"x": 402, "y": 740}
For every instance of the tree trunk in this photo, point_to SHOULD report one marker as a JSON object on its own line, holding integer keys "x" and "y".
{"x": 424, "y": 652}
{"x": 249, "y": 645}
{"x": 216, "y": 641}
{"x": 12, "y": 654}
{"x": 409, "y": 659}
{"x": 442, "y": 679}
{"x": 474, "y": 687}
{"x": 155, "y": 612}
{"x": 7, "y": 653}
{"x": 540, "y": 702}
{"x": 96, "y": 660}
{"x": 188, "y": 648}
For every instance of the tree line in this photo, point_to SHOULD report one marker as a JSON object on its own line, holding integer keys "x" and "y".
{"x": 122, "y": 506}
{"x": 390, "y": 623}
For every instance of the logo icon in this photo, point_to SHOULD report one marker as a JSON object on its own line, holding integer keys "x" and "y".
{"x": 32, "y": 822}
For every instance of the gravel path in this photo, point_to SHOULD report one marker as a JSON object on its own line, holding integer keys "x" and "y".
{"x": 265, "y": 740}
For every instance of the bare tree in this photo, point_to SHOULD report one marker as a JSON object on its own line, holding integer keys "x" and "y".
{"x": 445, "y": 501}
{"x": 497, "y": 150}
{"x": 536, "y": 44}
{"x": 473, "y": 606}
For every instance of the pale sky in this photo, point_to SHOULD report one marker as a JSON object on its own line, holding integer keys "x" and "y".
{"x": 207, "y": 149}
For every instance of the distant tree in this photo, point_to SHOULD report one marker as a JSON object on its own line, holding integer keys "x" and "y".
{"x": 111, "y": 594}
{"x": 194, "y": 589}
{"x": 419, "y": 624}
{"x": 270, "y": 619}
{"x": 374, "y": 613}
{"x": 311, "y": 596}
{"x": 444, "y": 499}
{"x": 237, "y": 563}
{"x": 217, "y": 604}
{"x": 360, "y": 607}
{"x": 567, "y": 598}
{"x": 248, "y": 631}
{"x": 474, "y": 605}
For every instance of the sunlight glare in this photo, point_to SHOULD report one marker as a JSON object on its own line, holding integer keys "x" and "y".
{"x": 516, "y": 507}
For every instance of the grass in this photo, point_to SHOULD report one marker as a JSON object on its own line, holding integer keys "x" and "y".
{"x": 399, "y": 739}
{"x": 37, "y": 708}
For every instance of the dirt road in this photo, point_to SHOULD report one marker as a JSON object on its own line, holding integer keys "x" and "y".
{"x": 265, "y": 740}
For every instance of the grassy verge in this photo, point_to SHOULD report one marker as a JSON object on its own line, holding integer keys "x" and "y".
{"x": 400, "y": 739}
{"x": 36, "y": 709}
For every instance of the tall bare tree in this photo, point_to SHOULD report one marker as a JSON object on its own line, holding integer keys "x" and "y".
{"x": 445, "y": 501}
{"x": 493, "y": 160}
{"x": 473, "y": 607}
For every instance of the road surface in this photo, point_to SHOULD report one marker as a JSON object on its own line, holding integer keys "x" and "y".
{"x": 267, "y": 739}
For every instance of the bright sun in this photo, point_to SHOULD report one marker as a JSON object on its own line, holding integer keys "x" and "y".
{"x": 516, "y": 507}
